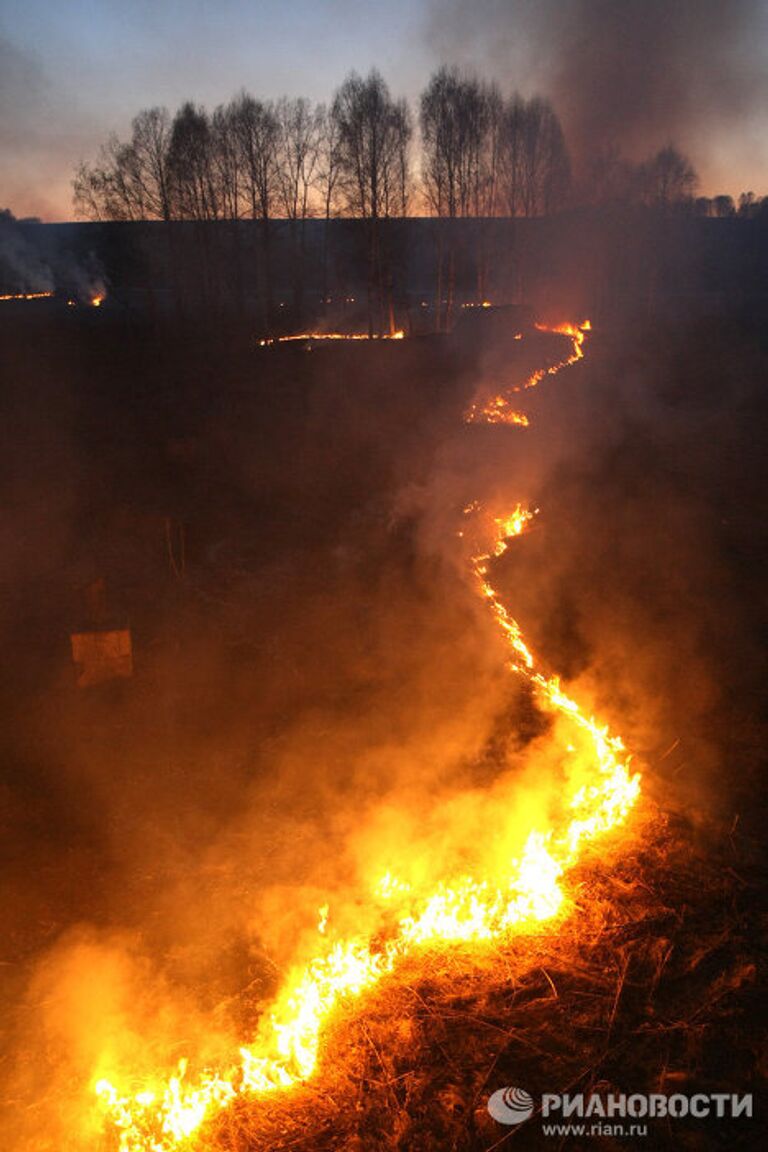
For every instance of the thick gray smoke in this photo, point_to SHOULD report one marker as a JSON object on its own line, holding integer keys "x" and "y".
{"x": 23, "y": 268}
{"x": 636, "y": 73}
{"x": 32, "y": 260}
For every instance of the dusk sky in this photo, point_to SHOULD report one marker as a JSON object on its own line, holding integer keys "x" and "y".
{"x": 71, "y": 73}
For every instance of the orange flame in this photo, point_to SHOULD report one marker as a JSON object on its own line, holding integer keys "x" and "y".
{"x": 158, "y": 1117}
{"x": 498, "y": 409}
{"x": 303, "y": 337}
{"x": 27, "y": 296}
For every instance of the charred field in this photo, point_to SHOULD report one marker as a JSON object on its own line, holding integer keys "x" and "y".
{"x": 317, "y": 690}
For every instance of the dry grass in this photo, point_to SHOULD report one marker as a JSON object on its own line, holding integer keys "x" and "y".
{"x": 649, "y": 986}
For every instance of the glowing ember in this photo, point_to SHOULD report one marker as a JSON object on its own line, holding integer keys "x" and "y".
{"x": 97, "y": 301}
{"x": 158, "y": 1116}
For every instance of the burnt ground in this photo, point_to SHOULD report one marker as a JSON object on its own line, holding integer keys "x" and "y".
{"x": 289, "y": 476}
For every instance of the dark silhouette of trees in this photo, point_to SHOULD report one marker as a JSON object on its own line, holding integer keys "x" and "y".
{"x": 751, "y": 206}
{"x": 668, "y": 178}
{"x": 482, "y": 156}
{"x": 665, "y": 181}
{"x": 374, "y": 133}
{"x": 723, "y": 206}
{"x": 327, "y": 177}
{"x": 129, "y": 181}
{"x": 298, "y": 149}
{"x": 191, "y": 165}
{"x": 455, "y": 118}
{"x": 610, "y": 178}
{"x": 194, "y": 187}
{"x": 150, "y": 141}
{"x": 298, "y": 153}
{"x": 226, "y": 161}
{"x": 257, "y": 132}
{"x": 328, "y": 160}
{"x": 460, "y": 119}
{"x": 535, "y": 167}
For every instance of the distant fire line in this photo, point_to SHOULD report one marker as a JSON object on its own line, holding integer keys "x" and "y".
{"x": 94, "y": 302}
{"x": 27, "y": 296}
{"x": 306, "y": 337}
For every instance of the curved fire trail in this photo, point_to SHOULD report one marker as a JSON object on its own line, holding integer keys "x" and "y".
{"x": 160, "y": 1116}
{"x": 499, "y": 410}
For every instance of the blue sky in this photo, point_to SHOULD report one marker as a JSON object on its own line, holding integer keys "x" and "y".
{"x": 72, "y": 71}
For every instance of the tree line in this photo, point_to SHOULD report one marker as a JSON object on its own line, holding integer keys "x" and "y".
{"x": 476, "y": 155}
{"x": 479, "y": 154}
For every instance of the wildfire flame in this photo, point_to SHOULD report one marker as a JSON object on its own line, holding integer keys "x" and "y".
{"x": 498, "y": 409}
{"x": 95, "y": 301}
{"x": 26, "y": 296}
{"x": 463, "y": 909}
{"x": 304, "y": 337}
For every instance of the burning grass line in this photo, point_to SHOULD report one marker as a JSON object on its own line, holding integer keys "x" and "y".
{"x": 499, "y": 410}
{"x": 572, "y": 1049}
{"x": 26, "y": 296}
{"x": 325, "y": 337}
{"x": 461, "y": 912}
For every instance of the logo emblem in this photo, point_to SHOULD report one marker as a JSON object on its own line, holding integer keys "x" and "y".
{"x": 510, "y": 1105}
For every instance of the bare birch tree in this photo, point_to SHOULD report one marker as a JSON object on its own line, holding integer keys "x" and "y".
{"x": 374, "y": 132}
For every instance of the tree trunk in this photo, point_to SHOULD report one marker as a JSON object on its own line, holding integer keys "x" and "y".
{"x": 451, "y": 287}
{"x": 266, "y": 255}
{"x": 372, "y": 271}
{"x": 440, "y": 259}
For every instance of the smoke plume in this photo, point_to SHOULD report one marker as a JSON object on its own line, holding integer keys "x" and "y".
{"x": 326, "y": 697}
{"x": 635, "y": 74}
